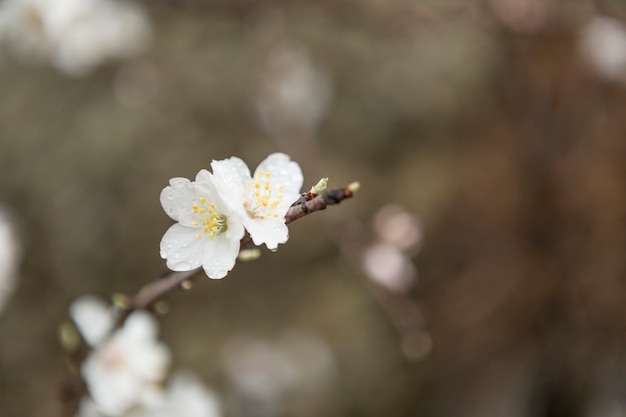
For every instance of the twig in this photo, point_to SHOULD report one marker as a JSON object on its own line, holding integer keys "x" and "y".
{"x": 307, "y": 203}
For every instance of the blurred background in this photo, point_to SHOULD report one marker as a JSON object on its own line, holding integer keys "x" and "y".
{"x": 480, "y": 270}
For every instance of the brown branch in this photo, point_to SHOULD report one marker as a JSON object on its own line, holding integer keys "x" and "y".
{"x": 150, "y": 294}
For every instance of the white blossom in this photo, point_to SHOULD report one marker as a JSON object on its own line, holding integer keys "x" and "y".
{"x": 387, "y": 266}
{"x": 93, "y": 318}
{"x": 186, "y": 396}
{"x": 293, "y": 93}
{"x": 75, "y": 35}
{"x": 260, "y": 201}
{"x": 207, "y": 233}
{"x": 124, "y": 369}
{"x": 603, "y": 43}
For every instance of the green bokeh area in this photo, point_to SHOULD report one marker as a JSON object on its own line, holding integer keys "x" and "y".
{"x": 481, "y": 117}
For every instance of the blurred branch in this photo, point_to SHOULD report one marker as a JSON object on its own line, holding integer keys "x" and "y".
{"x": 150, "y": 294}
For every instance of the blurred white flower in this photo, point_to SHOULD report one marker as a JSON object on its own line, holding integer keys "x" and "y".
{"x": 262, "y": 201}
{"x": 75, "y": 35}
{"x": 398, "y": 227}
{"x": 122, "y": 370}
{"x": 186, "y": 396}
{"x": 387, "y": 266}
{"x": 207, "y": 233}
{"x": 256, "y": 369}
{"x": 293, "y": 94}
{"x": 603, "y": 44}
{"x": 93, "y": 318}
{"x": 267, "y": 377}
{"x": 10, "y": 255}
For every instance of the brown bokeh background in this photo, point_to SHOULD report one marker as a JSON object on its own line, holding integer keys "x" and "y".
{"x": 481, "y": 117}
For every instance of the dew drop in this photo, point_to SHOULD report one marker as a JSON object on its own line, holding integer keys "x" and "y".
{"x": 183, "y": 266}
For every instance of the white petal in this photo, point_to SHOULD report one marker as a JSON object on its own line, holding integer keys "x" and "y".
{"x": 285, "y": 173}
{"x": 181, "y": 248}
{"x": 113, "y": 390}
{"x": 149, "y": 361}
{"x": 205, "y": 187}
{"x": 177, "y": 199}
{"x": 190, "y": 398}
{"x": 140, "y": 326}
{"x": 93, "y": 318}
{"x": 270, "y": 232}
{"x": 221, "y": 253}
{"x": 230, "y": 176}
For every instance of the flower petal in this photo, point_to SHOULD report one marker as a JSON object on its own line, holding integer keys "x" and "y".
{"x": 181, "y": 248}
{"x": 177, "y": 200}
{"x": 205, "y": 187}
{"x": 93, "y": 319}
{"x": 284, "y": 173}
{"x": 268, "y": 231}
{"x": 140, "y": 326}
{"x": 114, "y": 390}
{"x": 149, "y": 361}
{"x": 230, "y": 176}
{"x": 189, "y": 397}
{"x": 221, "y": 253}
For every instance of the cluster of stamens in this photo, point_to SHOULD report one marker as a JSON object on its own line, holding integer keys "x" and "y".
{"x": 208, "y": 218}
{"x": 262, "y": 200}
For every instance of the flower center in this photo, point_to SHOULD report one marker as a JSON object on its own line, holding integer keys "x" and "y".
{"x": 209, "y": 219}
{"x": 262, "y": 198}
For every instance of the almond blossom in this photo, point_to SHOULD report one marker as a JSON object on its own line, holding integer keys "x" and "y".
{"x": 208, "y": 231}
{"x": 260, "y": 201}
{"x": 75, "y": 35}
{"x": 124, "y": 368}
{"x": 186, "y": 396}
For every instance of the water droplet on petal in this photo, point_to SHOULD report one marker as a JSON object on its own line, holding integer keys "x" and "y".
{"x": 183, "y": 266}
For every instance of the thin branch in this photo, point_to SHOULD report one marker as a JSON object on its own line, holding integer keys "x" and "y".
{"x": 307, "y": 203}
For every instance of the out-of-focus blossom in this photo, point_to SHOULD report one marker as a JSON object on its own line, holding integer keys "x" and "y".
{"x": 398, "y": 227}
{"x": 75, "y": 35}
{"x": 208, "y": 231}
{"x": 264, "y": 375}
{"x": 123, "y": 369}
{"x": 262, "y": 201}
{"x": 603, "y": 44}
{"x": 387, "y": 266}
{"x": 256, "y": 370}
{"x": 386, "y": 261}
{"x": 93, "y": 318}
{"x": 10, "y": 255}
{"x": 293, "y": 94}
{"x": 186, "y": 396}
